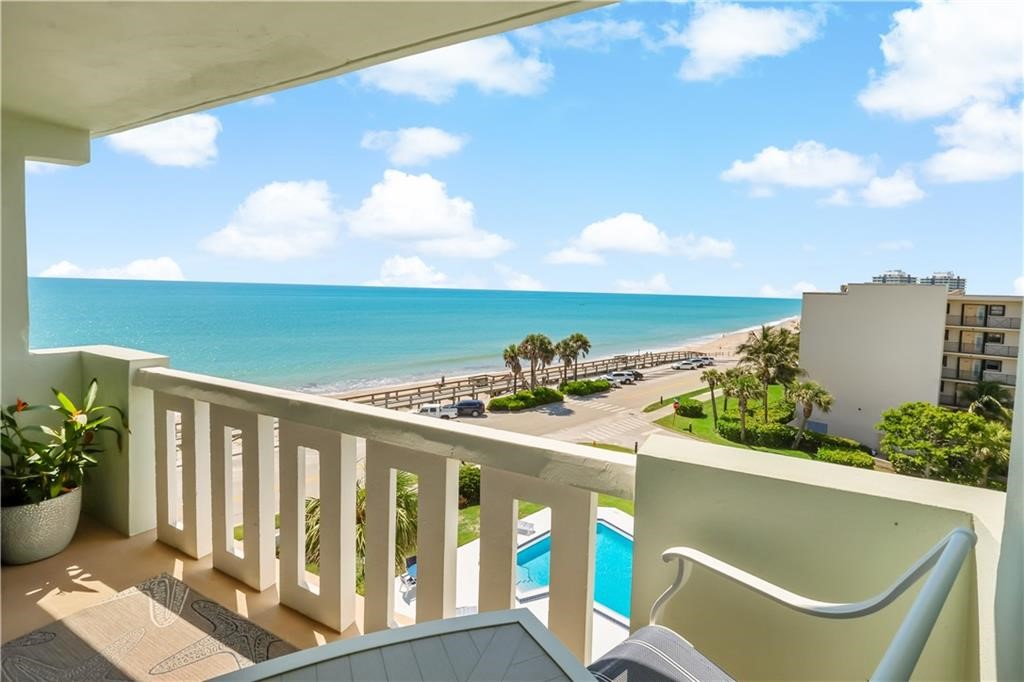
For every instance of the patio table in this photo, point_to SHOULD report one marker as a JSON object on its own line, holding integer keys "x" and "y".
{"x": 498, "y": 645}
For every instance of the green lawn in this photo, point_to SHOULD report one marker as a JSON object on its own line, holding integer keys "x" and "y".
{"x": 704, "y": 429}
{"x": 669, "y": 400}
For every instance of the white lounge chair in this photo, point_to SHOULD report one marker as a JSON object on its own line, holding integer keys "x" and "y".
{"x": 526, "y": 528}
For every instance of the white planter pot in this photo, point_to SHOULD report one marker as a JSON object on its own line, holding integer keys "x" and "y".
{"x": 32, "y": 532}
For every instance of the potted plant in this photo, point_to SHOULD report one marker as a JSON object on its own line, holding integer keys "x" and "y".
{"x": 42, "y": 474}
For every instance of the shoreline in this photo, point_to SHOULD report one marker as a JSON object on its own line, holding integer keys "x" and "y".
{"x": 721, "y": 345}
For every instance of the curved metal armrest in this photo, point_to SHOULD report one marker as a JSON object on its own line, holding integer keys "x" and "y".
{"x": 962, "y": 538}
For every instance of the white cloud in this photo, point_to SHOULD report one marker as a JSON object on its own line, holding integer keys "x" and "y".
{"x": 411, "y": 271}
{"x": 162, "y": 268}
{"x": 656, "y": 284}
{"x": 899, "y": 189}
{"x": 840, "y": 197}
{"x": 518, "y": 281}
{"x": 632, "y": 233}
{"x": 417, "y": 209}
{"x": 1018, "y": 285}
{"x": 280, "y": 221}
{"x": 696, "y": 248}
{"x": 895, "y": 245}
{"x": 187, "y": 141}
{"x": 571, "y": 255}
{"x": 490, "y": 64}
{"x": 942, "y": 56}
{"x": 793, "y": 291}
{"x": 587, "y": 34}
{"x": 984, "y": 143}
{"x": 413, "y": 146}
{"x": 807, "y": 164}
{"x": 721, "y": 37}
{"x": 262, "y": 101}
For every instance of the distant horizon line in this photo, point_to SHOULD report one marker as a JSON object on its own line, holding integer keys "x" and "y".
{"x": 412, "y": 288}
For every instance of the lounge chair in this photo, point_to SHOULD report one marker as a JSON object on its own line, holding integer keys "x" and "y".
{"x": 657, "y": 654}
{"x": 409, "y": 577}
{"x": 526, "y": 528}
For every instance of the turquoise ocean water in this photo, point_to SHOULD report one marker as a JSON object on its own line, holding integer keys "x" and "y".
{"x": 331, "y": 338}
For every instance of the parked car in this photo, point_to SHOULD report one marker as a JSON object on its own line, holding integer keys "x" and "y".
{"x": 637, "y": 376}
{"x": 708, "y": 361}
{"x": 612, "y": 379}
{"x": 686, "y": 364}
{"x": 439, "y": 411}
{"x": 473, "y": 408}
{"x": 623, "y": 377}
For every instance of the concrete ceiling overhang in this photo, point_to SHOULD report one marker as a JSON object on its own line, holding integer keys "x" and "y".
{"x": 111, "y": 66}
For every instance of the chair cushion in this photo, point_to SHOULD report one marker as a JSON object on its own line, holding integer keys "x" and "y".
{"x": 655, "y": 654}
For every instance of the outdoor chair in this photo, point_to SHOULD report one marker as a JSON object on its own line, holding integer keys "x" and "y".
{"x": 526, "y": 528}
{"x": 655, "y": 653}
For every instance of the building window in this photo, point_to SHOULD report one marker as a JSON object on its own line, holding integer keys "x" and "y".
{"x": 946, "y": 337}
{"x": 947, "y": 309}
{"x": 997, "y": 310}
{"x": 994, "y": 365}
{"x": 945, "y": 360}
{"x": 991, "y": 337}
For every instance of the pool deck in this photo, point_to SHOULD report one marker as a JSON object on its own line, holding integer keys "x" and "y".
{"x": 606, "y": 632}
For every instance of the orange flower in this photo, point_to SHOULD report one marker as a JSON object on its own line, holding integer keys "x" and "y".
{"x": 20, "y": 405}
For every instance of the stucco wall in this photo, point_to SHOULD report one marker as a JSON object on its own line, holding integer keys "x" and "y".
{"x": 874, "y": 347}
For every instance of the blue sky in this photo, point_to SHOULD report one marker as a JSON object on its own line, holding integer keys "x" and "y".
{"x": 711, "y": 148}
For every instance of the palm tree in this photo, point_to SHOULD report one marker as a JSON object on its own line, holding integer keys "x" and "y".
{"x": 995, "y": 449}
{"x": 712, "y": 377}
{"x": 772, "y": 354}
{"x": 810, "y": 395}
{"x": 538, "y": 349}
{"x": 511, "y": 355}
{"x": 989, "y": 399}
{"x": 567, "y": 354}
{"x": 746, "y": 387}
{"x": 406, "y": 507}
{"x": 580, "y": 345}
{"x": 727, "y": 382}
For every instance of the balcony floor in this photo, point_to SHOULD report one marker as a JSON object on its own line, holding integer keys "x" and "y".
{"x": 101, "y": 562}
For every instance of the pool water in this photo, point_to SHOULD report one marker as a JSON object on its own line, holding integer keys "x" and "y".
{"x": 613, "y": 568}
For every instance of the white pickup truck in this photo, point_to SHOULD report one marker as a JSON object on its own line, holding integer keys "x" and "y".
{"x": 439, "y": 411}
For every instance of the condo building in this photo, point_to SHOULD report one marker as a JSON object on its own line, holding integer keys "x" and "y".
{"x": 894, "y": 277}
{"x": 950, "y": 280}
{"x": 876, "y": 346}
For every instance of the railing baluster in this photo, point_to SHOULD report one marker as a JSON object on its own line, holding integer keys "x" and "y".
{"x": 256, "y": 567}
{"x": 333, "y": 602}
{"x": 437, "y": 532}
{"x": 573, "y": 528}
{"x": 192, "y": 532}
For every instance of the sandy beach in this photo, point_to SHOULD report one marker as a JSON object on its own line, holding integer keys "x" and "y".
{"x": 722, "y": 347}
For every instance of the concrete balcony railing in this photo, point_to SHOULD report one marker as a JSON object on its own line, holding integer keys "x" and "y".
{"x": 1000, "y": 377}
{"x": 753, "y": 510}
{"x": 996, "y": 349}
{"x": 217, "y": 412}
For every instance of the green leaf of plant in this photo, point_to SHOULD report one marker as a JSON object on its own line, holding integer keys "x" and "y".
{"x": 65, "y": 402}
{"x": 90, "y": 395}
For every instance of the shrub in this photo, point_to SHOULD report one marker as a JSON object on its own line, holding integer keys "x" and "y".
{"x": 541, "y": 395}
{"x": 769, "y": 435}
{"x": 585, "y": 386}
{"x": 688, "y": 407}
{"x": 469, "y": 485}
{"x": 852, "y": 457}
{"x": 813, "y": 441}
{"x": 779, "y": 412}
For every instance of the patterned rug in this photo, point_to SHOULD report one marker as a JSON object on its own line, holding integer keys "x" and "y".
{"x": 158, "y": 630}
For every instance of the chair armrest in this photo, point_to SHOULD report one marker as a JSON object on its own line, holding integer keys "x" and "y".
{"x": 687, "y": 557}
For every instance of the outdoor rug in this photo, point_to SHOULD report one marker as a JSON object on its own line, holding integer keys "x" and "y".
{"x": 158, "y": 630}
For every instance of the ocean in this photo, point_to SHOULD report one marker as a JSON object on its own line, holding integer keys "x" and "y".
{"x": 335, "y": 338}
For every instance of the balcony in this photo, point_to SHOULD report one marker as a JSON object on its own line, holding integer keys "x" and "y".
{"x": 992, "y": 322}
{"x": 1000, "y": 377}
{"x": 995, "y": 349}
{"x": 709, "y": 497}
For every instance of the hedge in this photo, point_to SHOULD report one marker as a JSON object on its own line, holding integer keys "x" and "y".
{"x": 779, "y": 412}
{"x": 469, "y": 485}
{"x": 813, "y": 441}
{"x": 542, "y": 395}
{"x": 585, "y": 386}
{"x": 688, "y": 407}
{"x": 849, "y": 456}
{"x": 769, "y": 435}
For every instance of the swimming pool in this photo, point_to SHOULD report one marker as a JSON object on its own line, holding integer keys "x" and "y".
{"x": 613, "y": 568}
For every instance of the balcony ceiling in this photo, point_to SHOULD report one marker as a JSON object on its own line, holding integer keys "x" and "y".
{"x": 108, "y": 66}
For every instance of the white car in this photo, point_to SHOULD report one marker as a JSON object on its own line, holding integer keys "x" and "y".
{"x": 613, "y": 380}
{"x": 623, "y": 377}
{"x": 439, "y": 411}
{"x": 686, "y": 364}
